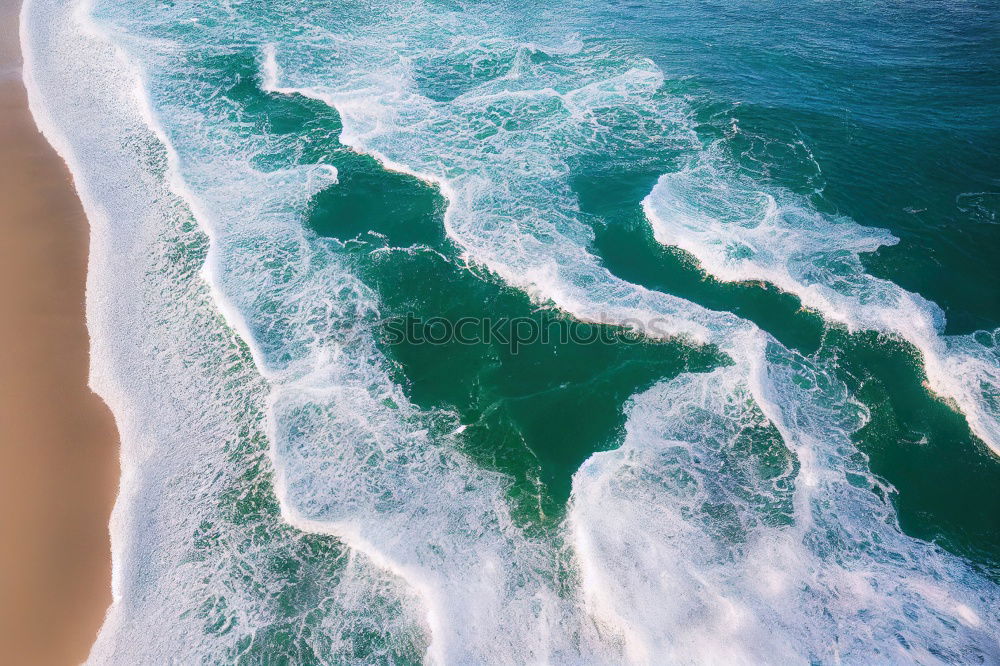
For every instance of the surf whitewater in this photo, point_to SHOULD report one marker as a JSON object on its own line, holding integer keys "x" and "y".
{"x": 691, "y": 477}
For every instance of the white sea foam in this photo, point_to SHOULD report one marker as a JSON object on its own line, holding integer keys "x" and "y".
{"x": 662, "y": 568}
{"x": 739, "y": 231}
{"x": 193, "y": 581}
{"x": 353, "y": 458}
{"x": 723, "y": 527}
{"x": 691, "y": 536}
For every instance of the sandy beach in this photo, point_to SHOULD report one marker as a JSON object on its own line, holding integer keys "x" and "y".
{"x": 60, "y": 471}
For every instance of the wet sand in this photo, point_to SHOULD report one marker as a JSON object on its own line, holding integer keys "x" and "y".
{"x": 59, "y": 444}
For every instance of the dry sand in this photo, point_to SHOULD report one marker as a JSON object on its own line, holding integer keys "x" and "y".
{"x": 59, "y": 443}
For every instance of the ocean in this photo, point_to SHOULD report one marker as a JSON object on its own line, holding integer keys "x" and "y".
{"x": 519, "y": 332}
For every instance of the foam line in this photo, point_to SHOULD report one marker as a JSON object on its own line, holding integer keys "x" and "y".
{"x": 147, "y": 309}
{"x": 32, "y": 32}
{"x": 738, "y": 231}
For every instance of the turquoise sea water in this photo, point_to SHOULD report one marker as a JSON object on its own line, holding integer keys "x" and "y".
{"x": 766, "y": 426}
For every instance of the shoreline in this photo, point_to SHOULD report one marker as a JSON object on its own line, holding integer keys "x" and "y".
{"x": 60, "y": 442}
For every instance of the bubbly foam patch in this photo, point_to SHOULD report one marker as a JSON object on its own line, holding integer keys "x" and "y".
{"x": 692, "y": 542}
